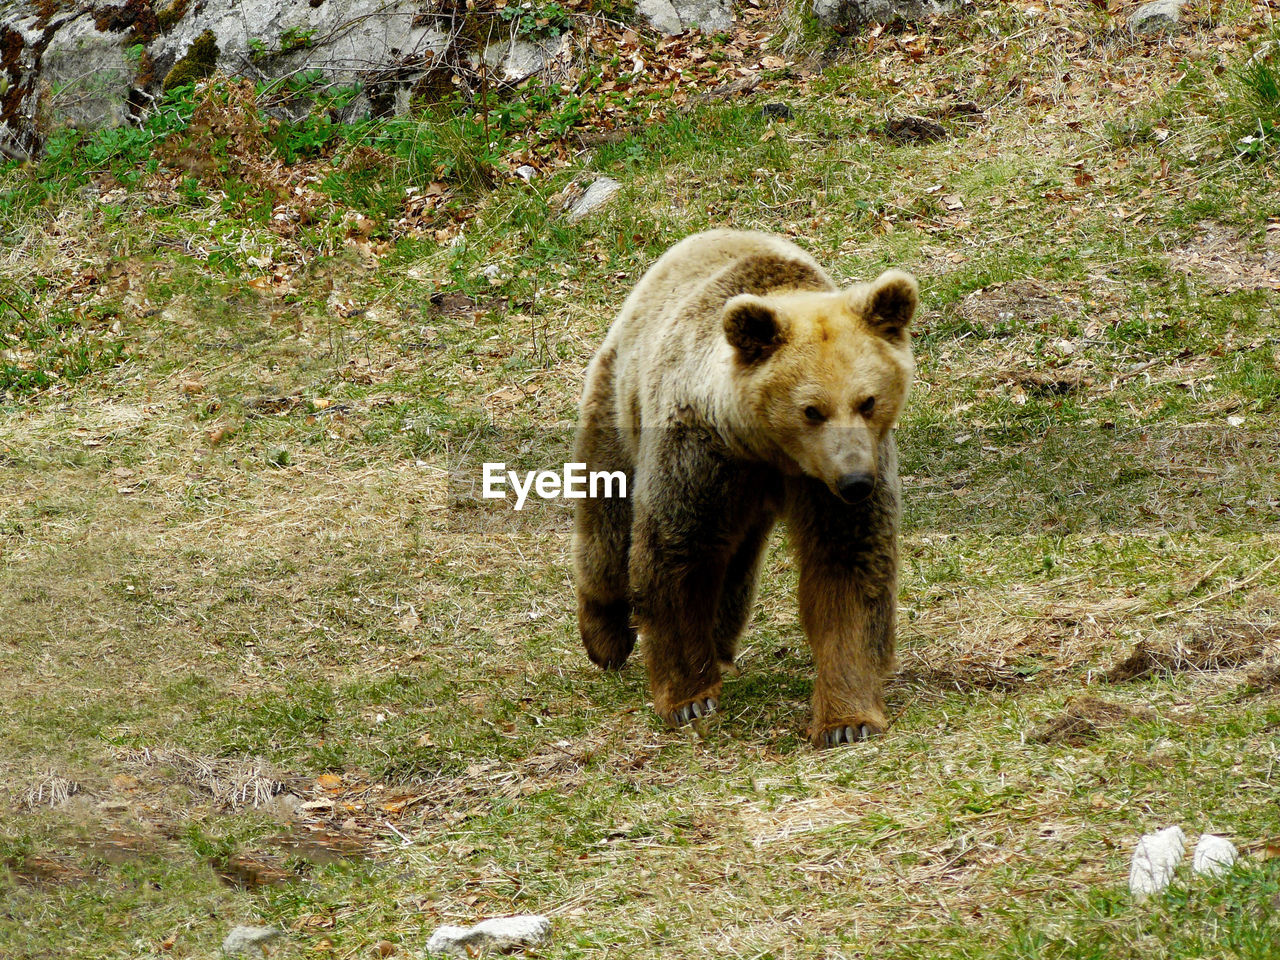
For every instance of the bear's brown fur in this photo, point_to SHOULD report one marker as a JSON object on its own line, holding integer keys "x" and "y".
{"x": 739, "y": 385}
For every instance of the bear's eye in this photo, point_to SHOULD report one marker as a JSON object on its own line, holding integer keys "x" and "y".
{"x": 814, "y": 415}
{"x": 868, "y": 406}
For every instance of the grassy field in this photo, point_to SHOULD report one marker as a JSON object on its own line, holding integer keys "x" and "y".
{"x": 260, "y": 665}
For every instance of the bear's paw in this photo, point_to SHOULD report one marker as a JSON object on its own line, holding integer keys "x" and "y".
{"x": 696, "y": 709}
{"x": 852, "y": 731}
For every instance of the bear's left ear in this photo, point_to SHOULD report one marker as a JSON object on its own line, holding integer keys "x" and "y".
{"x": 752, "y": 328}
{"x": 892, "y": 303}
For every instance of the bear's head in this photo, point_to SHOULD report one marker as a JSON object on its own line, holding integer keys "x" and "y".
{"x": 822, "y": 376}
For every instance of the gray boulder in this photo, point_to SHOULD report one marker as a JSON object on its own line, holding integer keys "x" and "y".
{"x": 1155, "y": 17}
{"x": 677, "y": 16}
{"x": 843, "y": 14}
{"x": 516, "y": 60}
{"x": 24, "y": 37}
{"x": 349, "y": 40}
{"x": 88, "y": 74}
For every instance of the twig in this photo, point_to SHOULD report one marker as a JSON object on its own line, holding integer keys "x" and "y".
{"x": 1135, "y": 371}
{"x": 14, "y": 307}
{"x": 388, "y": 824}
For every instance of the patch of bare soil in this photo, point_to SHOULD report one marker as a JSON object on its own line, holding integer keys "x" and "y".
{"x": 1218, "y": 646}
{"x": 1083, "y": 720}
{"x": 1220, "y": 256}
{"x": 81, "y": 858}
{"x": 323, "y": 820}
{"x": 453, "y": 304}
{"x": 1058, "y": 383}
{"x": 46, "y": 869}
{"x": 964, "y": 676}
{"x": 1018, "y": 300}
{"x": 253, "y": 870}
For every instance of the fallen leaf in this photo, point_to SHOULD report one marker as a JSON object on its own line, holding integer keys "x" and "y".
{"x": 218, "y": 435}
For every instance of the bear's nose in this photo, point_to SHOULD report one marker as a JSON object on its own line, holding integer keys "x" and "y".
{"x": 855, "y": 486}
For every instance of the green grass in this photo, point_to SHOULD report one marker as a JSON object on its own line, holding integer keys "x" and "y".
{"x": 38, "y": 353}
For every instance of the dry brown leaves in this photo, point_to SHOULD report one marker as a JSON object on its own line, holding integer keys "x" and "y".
{"x": 1220, "y": 256}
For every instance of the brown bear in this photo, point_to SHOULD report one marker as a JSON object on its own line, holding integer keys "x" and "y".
{"x": 738, "y": 385}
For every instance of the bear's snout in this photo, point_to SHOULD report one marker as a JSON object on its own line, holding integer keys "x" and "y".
{"x": 855, "y": 487}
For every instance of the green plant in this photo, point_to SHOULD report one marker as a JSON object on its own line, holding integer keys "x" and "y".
{"x": 200, "y": 61}
{"x": 304, "y": 139}
{"x": 453, "y": 146}
{"x": 126, "y": 151}
{"x": 39, "y": 352}
{"x": 305, "y": 81}
{"x": 169, "y": 17}
{"x": 532, "y": 21}
{"x": 296, "y": 38}
{"x": 623, "y": 11}
{"x": 1255, "y": 95}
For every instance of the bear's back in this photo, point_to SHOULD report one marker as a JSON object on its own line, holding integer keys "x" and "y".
{"x": 696, "y": 260}
{"x": 675, "y": 308}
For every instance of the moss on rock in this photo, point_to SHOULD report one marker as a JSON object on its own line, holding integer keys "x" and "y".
{"x": 200, "y": 62}
{"x": 168, "y": 17}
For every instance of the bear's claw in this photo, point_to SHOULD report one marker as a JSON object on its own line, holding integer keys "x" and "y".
{"x": 693, "y": 711}
{"x": 839, "y": 735}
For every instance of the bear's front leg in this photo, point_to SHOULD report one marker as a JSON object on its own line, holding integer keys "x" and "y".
{"x": 850, "y": 630}
{"x": 692, "y": 508}
{"x": 676, "y": 584}
{"x": 848, "y": 559}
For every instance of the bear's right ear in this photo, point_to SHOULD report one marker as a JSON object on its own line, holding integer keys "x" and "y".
{"x": 752, "y": 328}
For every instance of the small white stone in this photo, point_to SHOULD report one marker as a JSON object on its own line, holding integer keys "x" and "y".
{"x": 596, "y": 196}
{"x": 526, "y": 172}
{"x": 1214, "y": 855}
{"x": 500, "y": 934}
{"x": 250, "y": 940}
{"x": 1155, "y": 859}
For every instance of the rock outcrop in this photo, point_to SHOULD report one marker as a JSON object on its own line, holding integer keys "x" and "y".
{"x": 678, "y": 16}
{"x": 96, "y": 65}
{"x": 846, "y": 14}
